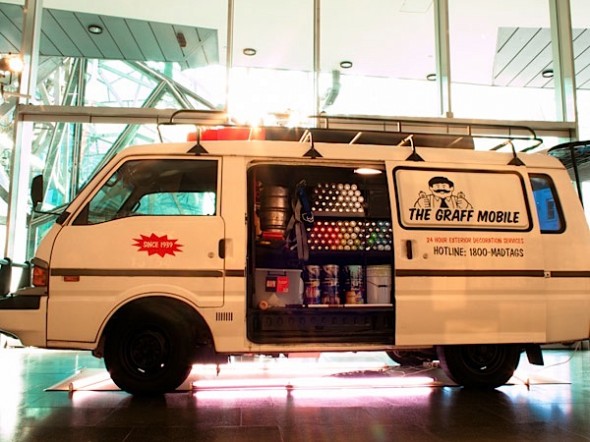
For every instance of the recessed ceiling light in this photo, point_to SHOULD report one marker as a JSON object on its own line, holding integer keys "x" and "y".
{"x": 249, "y": 52}
{"x": 181, "y": 39}
{"x": 346, "y": 64}
{"x": 431, "y": 77}
{"x": 95, "y": 29}
{"x": 547, "y": 73}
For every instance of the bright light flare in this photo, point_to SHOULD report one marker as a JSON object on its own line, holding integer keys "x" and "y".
{"x": 305, "y": 374}
{"x": 13, "y": 395}
{"x": 314, "y": 383}
{"x": 15, "y": 64}
{"x": 11, "y": 63}
{"x": 367, "y": 171}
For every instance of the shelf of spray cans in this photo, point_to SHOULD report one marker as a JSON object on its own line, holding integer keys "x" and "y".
{"x": 350, "y": 235}
{"x": 337, "y": 199}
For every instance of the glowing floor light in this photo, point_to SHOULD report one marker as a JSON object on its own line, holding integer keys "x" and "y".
{"x": 303, "y": 374}
{"x": 313, "y": 383}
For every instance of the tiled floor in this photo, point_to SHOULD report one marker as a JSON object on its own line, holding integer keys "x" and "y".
{"x": 540, "y": 404}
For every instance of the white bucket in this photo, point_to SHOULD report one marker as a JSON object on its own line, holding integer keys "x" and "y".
{"x": 379, "y": 284}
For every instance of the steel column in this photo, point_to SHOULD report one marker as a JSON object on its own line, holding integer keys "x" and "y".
{"x": 16, "y": 223}
{"x": 443, "y": 58}
{"x": 564, "y": 75}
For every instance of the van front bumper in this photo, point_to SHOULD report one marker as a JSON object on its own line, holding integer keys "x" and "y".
{"x": 24, "y": 314}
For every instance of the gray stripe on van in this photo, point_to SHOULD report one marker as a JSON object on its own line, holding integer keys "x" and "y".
{"x": 472, "y": 273}
{"x": 496, "y": 273}
{"x": 138, "y": 272}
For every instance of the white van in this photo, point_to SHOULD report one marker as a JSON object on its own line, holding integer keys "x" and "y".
{"x": 185, "y": 252}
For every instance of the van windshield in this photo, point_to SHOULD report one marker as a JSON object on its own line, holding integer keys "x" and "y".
{"x": 155, "y": 187}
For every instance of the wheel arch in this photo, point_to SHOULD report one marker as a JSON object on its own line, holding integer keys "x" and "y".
{"x": 159, "y": 302}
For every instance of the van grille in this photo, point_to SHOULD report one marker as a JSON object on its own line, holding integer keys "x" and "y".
{"x": 224, "y": 316}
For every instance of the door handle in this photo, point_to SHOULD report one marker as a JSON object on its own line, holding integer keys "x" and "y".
{"x": 409, "y": 250}
{"x": 221, "y": 248}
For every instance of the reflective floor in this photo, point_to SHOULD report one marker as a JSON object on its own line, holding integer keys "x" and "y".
{"x": 372, "y": 400}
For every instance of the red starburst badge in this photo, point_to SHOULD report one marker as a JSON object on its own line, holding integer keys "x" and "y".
{"x": 157, "y": 245}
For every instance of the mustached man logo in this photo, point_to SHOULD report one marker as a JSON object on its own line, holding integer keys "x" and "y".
{"x": 442, "y": 196}
{"x": 157, "y": 245}
{"x": 442, "y": 205}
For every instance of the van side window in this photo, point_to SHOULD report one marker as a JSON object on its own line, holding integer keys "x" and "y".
{"x": 548, "y": 207}
{"x": 155, "y": 187}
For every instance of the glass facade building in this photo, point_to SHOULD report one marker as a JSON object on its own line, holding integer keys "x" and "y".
{"x": 99, "y": 76}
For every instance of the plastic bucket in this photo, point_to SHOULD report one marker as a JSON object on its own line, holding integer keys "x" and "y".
{"x": 379, "y": 284}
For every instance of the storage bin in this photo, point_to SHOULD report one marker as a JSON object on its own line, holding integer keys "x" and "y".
{"x": 277, "y": 288}
{"x": 379, "y": 284}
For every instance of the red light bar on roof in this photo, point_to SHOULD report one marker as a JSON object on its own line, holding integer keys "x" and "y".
{"x": 229, "y": 133}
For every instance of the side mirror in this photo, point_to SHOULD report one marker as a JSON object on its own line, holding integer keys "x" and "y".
{"x": 37, "y": 191}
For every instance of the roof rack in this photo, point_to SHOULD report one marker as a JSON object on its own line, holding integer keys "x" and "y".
{"x": 381, "y": 131}
{"x": 445, "y": 133}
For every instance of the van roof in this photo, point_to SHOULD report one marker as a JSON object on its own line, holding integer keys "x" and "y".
{"x": 275, "y": 149}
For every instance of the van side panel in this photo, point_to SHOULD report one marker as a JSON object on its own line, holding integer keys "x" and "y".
{"x": 566, "y": 258}
{"x": 455, "y": 310}
{"x": 475, "y": 271}
{"x": 86, "y": 287}
{"x": 151, "y": 240}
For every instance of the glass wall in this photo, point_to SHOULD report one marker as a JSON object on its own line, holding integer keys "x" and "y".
{"x": 580, "y": 11}
{"x": 372, "y": 59}
{"x": 272, "y": 78}
{"x": 501, "y": 60}
{"x": 375, "y": 58}
{"x": 6, "y": 148}
{"x": 279, "y": 64}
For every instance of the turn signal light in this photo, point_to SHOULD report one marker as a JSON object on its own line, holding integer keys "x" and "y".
{"x": 40, "y": 276}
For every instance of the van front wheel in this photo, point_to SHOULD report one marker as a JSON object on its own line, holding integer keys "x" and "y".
{"x": 148, "y": 353}
{"x": 479, "y": 366}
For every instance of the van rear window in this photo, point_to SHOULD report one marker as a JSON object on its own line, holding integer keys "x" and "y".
{"x": 548, "y": 208}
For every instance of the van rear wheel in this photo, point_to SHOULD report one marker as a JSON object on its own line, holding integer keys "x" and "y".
{"x": 479, "y": 366}
{"x": 148, "y": 353}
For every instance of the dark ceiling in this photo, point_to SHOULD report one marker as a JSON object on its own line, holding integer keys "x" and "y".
{"x": 65, "y": 33}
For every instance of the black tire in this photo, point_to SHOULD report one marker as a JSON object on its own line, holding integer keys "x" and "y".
{"x": 149, "y": 352}
{"x": 410, "y": 358}
{"x": 484, "y": 366}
